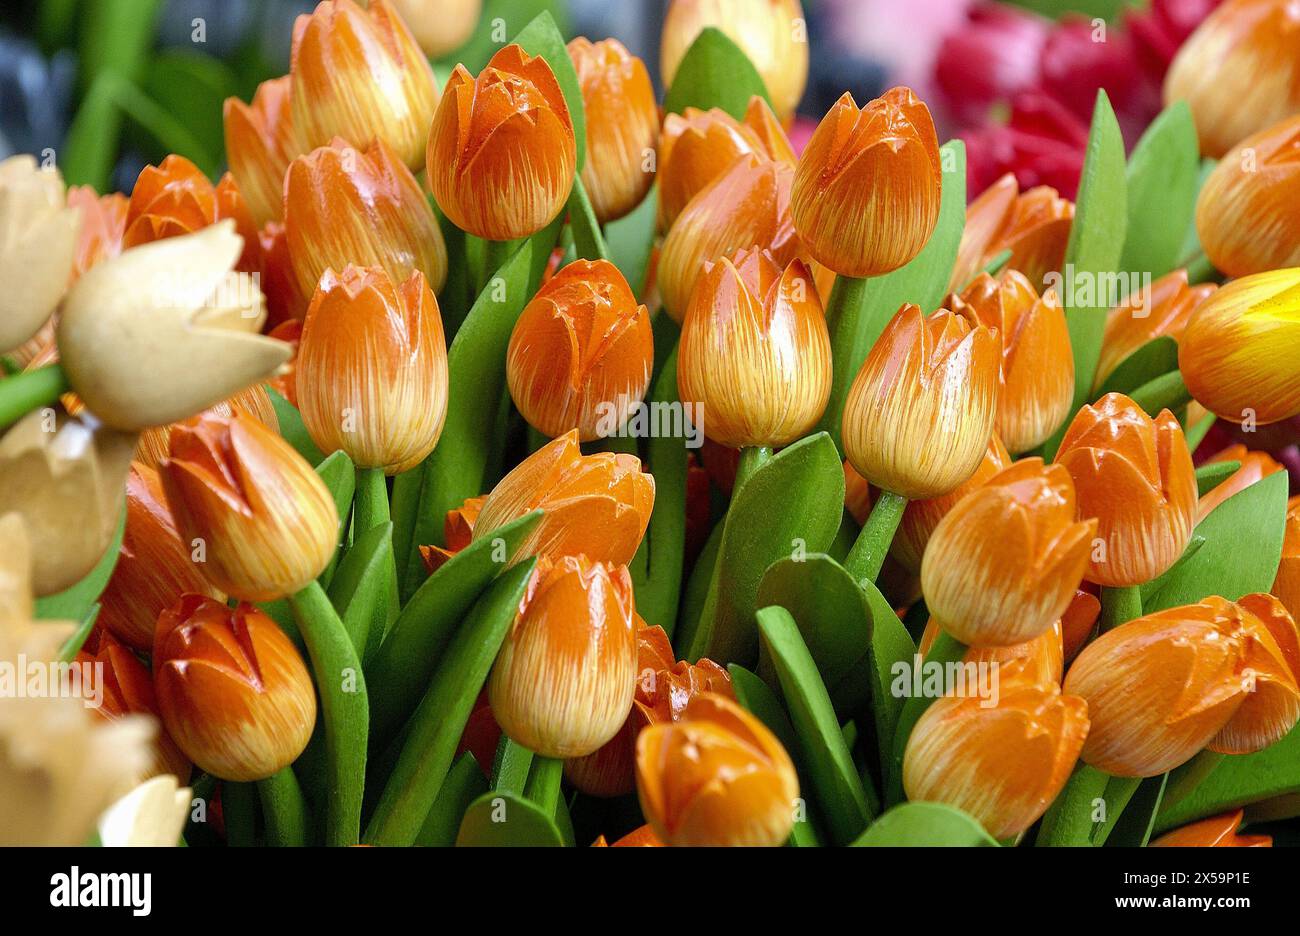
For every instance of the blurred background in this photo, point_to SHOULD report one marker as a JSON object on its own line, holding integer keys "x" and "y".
{"x": 105, "y": 86}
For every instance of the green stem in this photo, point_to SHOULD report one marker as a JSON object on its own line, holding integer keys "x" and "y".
{"x": 1068, "y": 821}
{"x": 868, "y": 553}
{"x": 850, "y": 341}
{"x": 1165, "y": 392}
{"x": 751, "y": 459}
{"x": 345, "y": 708}
{"x": 588, "y": 242}
{"x": 1120, "y": 605}
{"x": 22, "y": 393}
{"x": 284, "y": 809}
{"x": 495, "y": 253}
{"x": 371, "y": 509}
{"x": 543, "y": 786}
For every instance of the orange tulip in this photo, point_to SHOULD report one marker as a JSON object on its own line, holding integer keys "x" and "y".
{"x": 261, "y": 141}
{"x": 440, "y": 26}
{"x": 716, "y": 777}
{"x": 1239, "y": 72}
{"x": 231, "y": 688}
{"x": 1216, "y": 832}
{"x": 268, "y": 523}
{"x": 342, "y": 205}
{"x": 562, "y": 684}
{"x": 154, "y": 567}
{"x": 640, "y": 837}
{"x": 1043, "y": 656}
{"x": 1003, "y": 563}
{"x": 457, "y": 533}
{"x": 755, "y": 355}
{"x": 1286, "y": 586}
{"x": 866, "y": 196}
{"x": 928, "y": 386}
{"x": 581, "y": 352}
{"x": 699, "y": 146}
{"x": 1270, "y": 706}
{"x": 359, "y": 74}
{"x": 1255, "y": 466}
{"x": 1078, "y": 623}
{"x": 1161, "y": 687}
{"x": 103, "y": 225}
{"x": 371, "y": 372}
{"x": 514, "y": 117}
{"x": 283, "y": 383}
{"x": 1163, "y": 311}
{"x": 622, "y": 125}
{"x": 1003, "y": 763}
{"x": 1034, "y": 226}
{"x": 748, "y": 205}
{"x": 151, "y": 449}
{"x": 1037, "y": 385}
{"x": 284, "y": 299}
{"x": 595, "y": 504}
{"x": 920, "y": 517}
{"x": 168, "y": 200}
{"x": 1135, "y": 476}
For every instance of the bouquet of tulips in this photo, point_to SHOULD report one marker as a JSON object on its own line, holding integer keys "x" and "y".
{"x": 516, "y": 459}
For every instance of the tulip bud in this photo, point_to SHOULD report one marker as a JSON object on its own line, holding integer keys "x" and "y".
{"x": 440, "y": 26}
{"x": 1002, "y": 763}
{"x": 1135, "y": 476}
{"x": 928, "y": 385}
{"x": 562, "y": 684}
{"x": 260, "y": 143}
{"x": 1161, "y": 687}
{"x": 716, "y": 777}
{"x": 103, "y": 225}
{"x": 170, "y": 199}
{"x": 155, "y": 567}
{"x": 746, "y": 206}
{"x": 1255, "y": 466}
{"x": 268, "y": 523}
{"x": 1034, "y": 226}
{"x": 755, "y": 355}
{"x": 1078, "y": 623}
{"x": 920, "y": 517}
{"x": 1037, "y": 384}
{"x": 371, "y": 374}
{"x": 622, "y": 125}
{"x": 231, "y": 688}
{"x": 1215, "y": 832}
{"x": 64, "y": 477}
{"x": 594, "y": 504}
{"x": 1004, "y": 562}
{"x": 253, "y": 400}
{"x": 501, "y": 154}
{"x": 457, "y": 533}
{"x": 38, "y": 240}
{"x": 1043, "y": 656}
{"x": 1163, "y": 310}
{"x": 1286, "y": 586}
{"x": 772, "y": 34}
{"x": 342, "y": 205}
{"x": 866, "y": 195}
{"x": 1238, "y": 72}
{"x": 165, "y": 330}
{"x": 284, "y": 299}
{"x": 358, "y": 74}
{"x": 1270, "y": 706}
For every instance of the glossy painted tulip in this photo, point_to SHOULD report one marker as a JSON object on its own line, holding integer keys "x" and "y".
{"x": 1244, "y": 214}
{"x": 1270, "y": 706}
{"x": 285, "y": 301}
{"x": 231, "y": 689}
{"x": 268, "y": 523}
{"x": 1034, "y": 226}
{"x": 457, "y": 533}
{"x": 1255, "y": 466}
{"x": 1037, "y": 384}
{"x": 919, "y": 415}
{"x": 1215, "y": 832}
{"x": 622, "y": 125}
{"x": 1286, "y": 585}
{"x": 501, "y": 154}
{"x": 151, "y": 449}
{"x": 103, "y": 225}
{"x": 154, "y": 568}
{"x": 1003, "y": 563}
{"x": 754, "y": 355}
{"x": 921, "y": 516}
{"x": 866, "y": 195}
{"x": 1240, "y": 350}
{"x": 371, "y": 372}
{"x": 261, "y": 141}
{"x": 343, "y": 205}
{"x": 38, "y": 240}
{"x": 440, "y": 26}
{"x": 594, "y": 504}
{"x": 64, "y": 477}
{"x": 1043, "y": 656}
{"x": 718, "y": 776}
{"x": 1135, "y": 476}
{"x": 1239, "y": 72}
{"x": 747, "y": 206}
{"x": 1162, "y": 311}
{"x": 170, "y": 199}
{"x": 1161, "y": 687}
{"x": 1078, "y": 623}
{"x": 1003, "y": 764}
{"x": 165, "y": 330}
{"x": 359, "y": 74}
{"x": 581, "y": 352}
{"x": 563, "y": 681}
{"x": 771, "y": 33}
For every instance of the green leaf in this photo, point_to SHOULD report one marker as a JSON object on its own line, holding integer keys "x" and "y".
{"x": 357, "y": 587}
{"x": 714, "y": 73}
{"x": 588, "y": 242}
{"x": 192, "y": 88}
{"x": 1133, "y": 827}
{"x": 1162, "y": 185}
{"x": 696, "y": 592}
{"x": 840, "y": 795}
{"x": 543, "y": 37}
{"x": 292, "y": 428}
{"x": 465, "y": 783}
{"x": 1212, "y": 474}
{"x": 75, "y": 602}
{"x": 806, "y": 480}
{"x": 1154, "y": 359}
{"x": 912, "y": 825}
{"x": 859, "y": 309}
{"x": 507, "y": 820}
{"x": 630, "y": 240}
{"x": 890, "y": 645}
{"x": 77, "y": 639}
